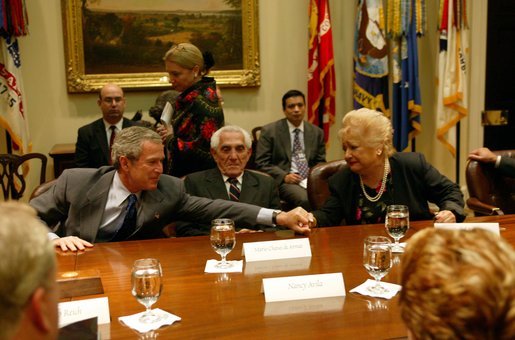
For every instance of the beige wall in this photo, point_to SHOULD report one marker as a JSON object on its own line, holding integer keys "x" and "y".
{"x": 56, "y": 115}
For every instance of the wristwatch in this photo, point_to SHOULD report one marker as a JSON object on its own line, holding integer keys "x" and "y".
{"x": 274, "y": 216}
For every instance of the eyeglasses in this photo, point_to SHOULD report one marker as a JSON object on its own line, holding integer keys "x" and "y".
{"x": 109, "y": 100}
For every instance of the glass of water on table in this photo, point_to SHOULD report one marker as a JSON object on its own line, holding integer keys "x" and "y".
{"x": 397, "y": 224}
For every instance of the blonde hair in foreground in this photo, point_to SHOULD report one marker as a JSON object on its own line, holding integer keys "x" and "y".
{"x": 368, "y": 127}
{"x": 27, "y": 261}
{"x": 458, "y": 284}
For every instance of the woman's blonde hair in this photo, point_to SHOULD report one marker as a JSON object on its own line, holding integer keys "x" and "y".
{"x": 370, "y": 128}
{"x": 185, "y": 55}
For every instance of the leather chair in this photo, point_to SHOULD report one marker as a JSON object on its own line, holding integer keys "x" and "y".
{"x": 318, "y": 187}
{"x": 251, "y": 164}
{"x": 12, "y": 175}
{"x": 490, "y": 193}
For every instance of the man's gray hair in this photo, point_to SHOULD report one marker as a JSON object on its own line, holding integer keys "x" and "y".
{"x": 129, "y": 143}
{"x": 215, "y": 138}
{"x": 28, "y": 261}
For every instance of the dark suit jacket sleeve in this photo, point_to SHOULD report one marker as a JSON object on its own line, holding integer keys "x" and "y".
{"x": 197, "y": 185}
{"x": 82, "y": 148}
{"x": 337, "y": 210}
{"x": 442, "y": 191}
{"x": 191, "y": 228}
{"x": 265, "y": 154}
{"x": 52, "y": 206}
{"x": 507, "y": 166}
{"x": 319, "y": 156}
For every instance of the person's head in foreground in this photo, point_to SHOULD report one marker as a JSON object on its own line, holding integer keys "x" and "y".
{"x": 458, "y": 284}
{"x": 28, "y": 290}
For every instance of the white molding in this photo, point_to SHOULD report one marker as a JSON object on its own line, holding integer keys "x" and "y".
{"x": 478, "y": 32}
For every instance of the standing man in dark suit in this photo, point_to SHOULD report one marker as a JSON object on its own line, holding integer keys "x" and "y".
{"x": 134, "y": 200}
{"x": 288, "y": 147}
{"x": 92, "y": 149}
{"x": 231, "y": 147}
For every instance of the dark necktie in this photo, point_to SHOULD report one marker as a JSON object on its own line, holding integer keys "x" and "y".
{"x": 298, "y": 156}
{"x": 129, "y": 222}
{"x": 234, "y": 192}
{"x": 111, "y": 141}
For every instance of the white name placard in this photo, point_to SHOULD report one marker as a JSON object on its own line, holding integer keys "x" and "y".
{"x": 283, "y": 265}
{"x": 276, "y": 250}
{"x": 73, "y": 311}
{"x": 303, "y": 287}
{"x": 330, "y": 304}
{"x": 493, "y": 227}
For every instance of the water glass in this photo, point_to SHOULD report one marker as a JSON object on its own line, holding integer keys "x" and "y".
{"x": 223, "y": 239}
{"x": 397, "y": 224}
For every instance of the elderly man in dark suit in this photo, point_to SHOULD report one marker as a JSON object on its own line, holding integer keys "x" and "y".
{"x": 133, "y": 200}
{"x": 288, "y": 147}
{"x": 93, "y": 147}
{"x": 231, "y": 147}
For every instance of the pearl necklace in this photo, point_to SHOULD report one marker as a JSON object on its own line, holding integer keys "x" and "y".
{"x": 383, "y": 183}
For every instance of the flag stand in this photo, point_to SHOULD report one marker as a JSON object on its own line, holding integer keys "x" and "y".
{"x": 458, "y": 153}
{"x": 8, "y": 142}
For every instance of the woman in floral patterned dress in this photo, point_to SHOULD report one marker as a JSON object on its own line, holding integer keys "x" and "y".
{"x": 197, "y": 112}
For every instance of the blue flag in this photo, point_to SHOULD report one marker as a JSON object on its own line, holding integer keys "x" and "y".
{"x": 407, "y": 102}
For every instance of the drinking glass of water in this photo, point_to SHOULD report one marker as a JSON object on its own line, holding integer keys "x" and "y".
{"x": 397, "y": 224}
{"x": 147, "y": 285}
{"x": 223, "y": 239}
{"x": 377, "y": 260}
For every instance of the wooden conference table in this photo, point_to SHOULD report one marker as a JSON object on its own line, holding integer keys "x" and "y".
{"x": 232, "y": 305}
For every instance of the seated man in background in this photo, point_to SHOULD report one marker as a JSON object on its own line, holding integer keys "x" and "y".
{"x": 505, "y": 164}
{"x": 231, "y": 147}
{"x": 287, "y": 148}
{"x": 28, "y": 293}
{"x": 94, "y": 141}
{"x": 135, "y": 201}
{"x": 458, "y": 284}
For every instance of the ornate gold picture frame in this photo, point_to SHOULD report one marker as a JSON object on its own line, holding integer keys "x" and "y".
{"x": 106, "y": 43}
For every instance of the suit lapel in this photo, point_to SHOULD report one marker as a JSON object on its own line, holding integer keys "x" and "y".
{"x": 101, "y": 136}
{"x": 308, "y": 138}
{"x": 126, "y": 123}
{"x": 285, "y": 138}
{"x": 93, "y": 209}
{"x": 150, "y": 203}
{"x": 249, "y": 187}
{"x": 215, "y": 184}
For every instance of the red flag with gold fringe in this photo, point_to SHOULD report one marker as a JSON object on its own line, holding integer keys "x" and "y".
{"x": 321, "y": 77}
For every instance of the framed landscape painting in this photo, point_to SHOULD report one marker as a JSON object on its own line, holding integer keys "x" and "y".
{"x": 124, "y": 41}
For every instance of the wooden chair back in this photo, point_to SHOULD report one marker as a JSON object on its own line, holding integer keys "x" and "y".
{"x": 12, "y": 175}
